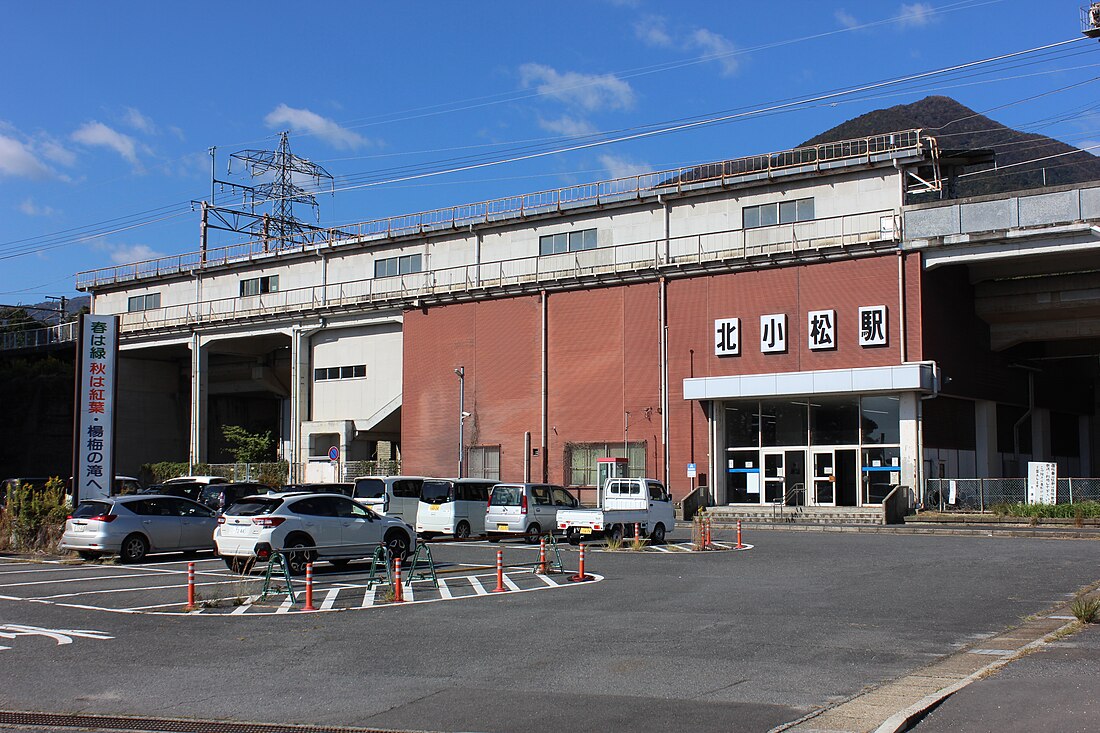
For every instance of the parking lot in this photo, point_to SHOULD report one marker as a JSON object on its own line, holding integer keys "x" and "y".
{"x": 719, "y": 641}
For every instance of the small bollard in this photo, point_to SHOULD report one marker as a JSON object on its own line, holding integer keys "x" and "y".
{"x": 500, "y": 573}
{"x": 637, "y": 531}
{"x": 309, "y": 588}
{"x": 398, "y": 593}
{"x": 739, "y": 545}
{"x": 580, "y": 576}
{"x": 542, "y": 556}
{"x": 190, "y": 587}
{"x": 706, "y": 537}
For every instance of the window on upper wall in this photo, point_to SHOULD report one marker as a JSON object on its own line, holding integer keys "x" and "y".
{"x": 143, "y": 302}
{"x": 580, "y": 460}
{"x": 553, "y": 244}
{"x": 783, "y": 212}
{"x": 328, "y": 374}
{"x": 483, "y": 461}
{"x": 260, "y": 285}
{"x": 394, "y": 266}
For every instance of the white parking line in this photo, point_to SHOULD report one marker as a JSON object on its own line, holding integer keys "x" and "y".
{"x": 109, "y": 591}
{"x": 243, "y": 608}
{"x": 444, "y": 591}
{"x": 408, "y": 592}
{"x": 77, "y": 580}
{"x": 546, "y": 579}
{"x": 368, "y": 598}
{"x": 286, "y": 604}
{"x": 330, "y": 599}
{"x": 479, "y": 589}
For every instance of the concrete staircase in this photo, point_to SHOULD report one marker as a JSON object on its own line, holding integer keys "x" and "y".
{"x": 766, "y": 514}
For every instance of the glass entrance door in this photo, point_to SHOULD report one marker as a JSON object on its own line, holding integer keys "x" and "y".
{"x": 823, "y": 492}
{"x": 774, "y": 476}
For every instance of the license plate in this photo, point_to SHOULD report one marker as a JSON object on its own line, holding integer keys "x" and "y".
{"x": 435, "y": 507}
{"x": 586, "y": 530}
{"x": 502, "y": 527}
{"x": 236, "y": 529}
{"x": 79, "y": 527}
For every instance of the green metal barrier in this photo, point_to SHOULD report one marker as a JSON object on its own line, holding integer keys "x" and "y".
{"x": 277, "y": 563}
{"x": 382, "y": 559}
{"x": 422, "y": 566}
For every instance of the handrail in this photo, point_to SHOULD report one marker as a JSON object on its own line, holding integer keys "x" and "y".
{"x": 672, "y": 181}
{"x": 703, "y": 247}
{"x": 37, "y": 337}
{"x": 789, "y": 495}
{"x": 890, "y": 512}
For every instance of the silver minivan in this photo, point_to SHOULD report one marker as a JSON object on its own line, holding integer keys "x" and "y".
{"x": 529, "y": 510}
{"x": 391, "y": 496}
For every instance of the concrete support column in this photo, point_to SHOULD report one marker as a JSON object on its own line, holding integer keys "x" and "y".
{"x": 719, "y": 469}
{"x": 912, "y": 452}
{"x": 987, "y": 459}
{"x": 1040, "y": 434}
{"x": 299, "y": 398}
{"x": 1084, "y": 442}
{"x": 200, "y": 376}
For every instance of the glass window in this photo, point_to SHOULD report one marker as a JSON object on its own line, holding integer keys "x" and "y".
{"x": 360, "y": 370}
{"x": 881, "y": 422}
{"x": 805, "y": 209}
{"x": 259, "y": 285}
{"x": 751, "y": 217}
{"x": 564, "y": 498}
{"x": 483, "y": 461}
{"x": 541, "y": 495}
{"x": 143, "y": 302}
{"x": 320, "y": 374}
{"x": 407, "y": 488}
{"x": 742, "y": 425}
{"x": 580, "y": 458}
{"x": 506, "y": 496}
{"x": 787, "y": 212}
{"x": 769, "y": 215}
{"x": 552, "y": 244}
{"x": 91, "y": 509}
{"x": 409, "y": 264}
{"x": 834, "y": 421}
{"x": 582, "y": 240}
{"x": 783, "y": 422}
{"x": 880, "y": 469}
{"x": 370, "y": 488}
{"x": 436, "y": 492}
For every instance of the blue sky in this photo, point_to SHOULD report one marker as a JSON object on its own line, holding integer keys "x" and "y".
{"x": 107, "y": 110}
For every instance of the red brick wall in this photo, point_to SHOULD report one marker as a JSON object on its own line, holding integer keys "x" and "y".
{"x": 604, "y": 360}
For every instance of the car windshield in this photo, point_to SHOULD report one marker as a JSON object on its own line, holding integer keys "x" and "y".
{"x": 210, "y": 494}
{"x": 370, "y": 488}
{"x": 506, "y": 496}
{"x": 91, "y": 509}
{"x": 436, "y": 492}
{"x": 254, "y": 507}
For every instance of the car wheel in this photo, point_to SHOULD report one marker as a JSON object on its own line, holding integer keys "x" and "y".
{"x": 398, "y": 544}
{"x": 615, "y": 533}
{"x": 238, "y": 564}
{"x": 574, "y": 538}
{"x": 462, "y": 530}
{"x": 657, "y": 535}
{"x": 531, "y": 535}
{"x": 134, "y": 548}
{"x": 296, "y": 561}
{"x": 428, "y": 536}
{"x": 494, "y": 538}
{"x": 340, "y": 563}
{"x": 88, "y": 555}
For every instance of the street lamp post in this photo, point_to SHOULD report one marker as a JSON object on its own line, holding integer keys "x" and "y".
{"x": 461, "y": 372}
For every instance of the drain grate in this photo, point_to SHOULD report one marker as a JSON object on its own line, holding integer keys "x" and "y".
{"x": 166, "y": 725}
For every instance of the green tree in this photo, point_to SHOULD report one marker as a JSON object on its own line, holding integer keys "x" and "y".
{"x": 17, "y": 319}
{"x": 246, "y": 447}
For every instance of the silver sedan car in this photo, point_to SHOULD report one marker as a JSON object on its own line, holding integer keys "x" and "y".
{"x": 134, "y": 526}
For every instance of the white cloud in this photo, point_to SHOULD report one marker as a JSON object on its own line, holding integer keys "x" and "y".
{"x": 620, "y": 167}
{"x": 587, "y": 91}
{"x": 303, "y": 120}
{"x": 846, "y": 19}
{"x": 30, "y": 208}
{"x": 17, "y": 159}
{"x": 715, "y": 46}
{"x": 915, "y": 15}
{"x": 54, "y": 151}
{"x": 135, "y": 119}
{"x": 96, "y": 134}
{"x": 122, "y": 254}
{"x": 652, "y": 30}
{"x": 568, "y": 126}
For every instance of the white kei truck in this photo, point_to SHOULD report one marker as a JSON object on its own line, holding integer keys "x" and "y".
{"x": 624, "y": 502}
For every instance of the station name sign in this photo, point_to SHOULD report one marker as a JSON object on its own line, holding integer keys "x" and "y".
{"x": 821, "y": 331}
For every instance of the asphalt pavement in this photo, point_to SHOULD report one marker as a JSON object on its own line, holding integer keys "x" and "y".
{"x": 1051, "y": 690}
{"x": 728, "y": 641}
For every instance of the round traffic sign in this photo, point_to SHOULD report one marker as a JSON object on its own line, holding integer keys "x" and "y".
{"x": 334, "y": 453}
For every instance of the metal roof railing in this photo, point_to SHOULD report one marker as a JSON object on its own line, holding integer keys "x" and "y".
{"x": 674, "y": 181}
{"x": 38, "y": 337}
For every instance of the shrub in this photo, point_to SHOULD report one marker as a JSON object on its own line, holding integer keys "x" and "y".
{"x": 1078, "y": 511}
{"x": 34, "y": 517}
{"x": 1085, "y": 608}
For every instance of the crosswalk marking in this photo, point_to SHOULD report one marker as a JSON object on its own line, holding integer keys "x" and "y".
{"x": 444, "y": 591}
{"x": 330, "y": 599}
{"x": 479, "y": 589}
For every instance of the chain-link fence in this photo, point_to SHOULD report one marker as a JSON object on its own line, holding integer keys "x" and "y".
{"x": 272, "y": 474}
{"x": 982, "y": 494}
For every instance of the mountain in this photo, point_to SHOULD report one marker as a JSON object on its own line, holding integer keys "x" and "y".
{"x": 957, "y": 127}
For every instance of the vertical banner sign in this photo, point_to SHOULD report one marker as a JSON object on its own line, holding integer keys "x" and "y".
{"x": 1042, "y": 483}
{"x": 94, "y": 441}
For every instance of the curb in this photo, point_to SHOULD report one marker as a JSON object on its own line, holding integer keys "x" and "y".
{"x": 1052, "y": 534}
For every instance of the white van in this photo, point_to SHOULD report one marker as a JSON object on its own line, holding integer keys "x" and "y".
{"x": 391, "y": 496}
{"x": 452, "y": 506}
